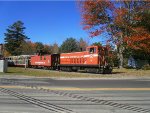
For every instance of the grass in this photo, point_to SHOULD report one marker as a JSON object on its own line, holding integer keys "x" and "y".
{"x": 44, "y": 73}
{"x": 117, "y": 73}
{"x": 132, "y": 72}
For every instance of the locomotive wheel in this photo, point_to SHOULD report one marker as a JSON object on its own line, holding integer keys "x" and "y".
{"x": 45, "y": 68}
{"x": 69, "y": 69}
{"x": 100, "y": 71}
{"x": 97, "y": 71}
{"x": 75, "y": 69}
{"x": 107, "y": 71}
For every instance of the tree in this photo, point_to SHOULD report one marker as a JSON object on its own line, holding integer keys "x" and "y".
{"x": 82, "y": 44}
{"x": 43, "y": 48}
{"x": 31, "y": 48}
{"x": 55, "y": 48}
{"x": 140, "y": 31}
{"x": 39, "y": 46}
{"x": 47, "y": 49}
{"x": 95, "y": 15}
{"x": 14, "y": 37}
{"x": 121, "y": 19}
{"x": 97, "y": 44}
{"x": 128, "y": 24}
{"x": 6, "y": 53}
{"x": 28, "y": 48}
{"x": 69, "y": 45}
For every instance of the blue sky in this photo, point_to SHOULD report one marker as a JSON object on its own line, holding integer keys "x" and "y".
{"x": 47, "y": 22}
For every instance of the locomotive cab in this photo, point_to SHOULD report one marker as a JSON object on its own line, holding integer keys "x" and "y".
{"x": 92, "y": 49}
{"x": 99, "y": 55}
{"x": 96, "y": 49}
{"x": 99, "y": 52}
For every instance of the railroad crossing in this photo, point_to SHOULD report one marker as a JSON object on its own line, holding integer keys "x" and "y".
{"x": 47, "y": 95}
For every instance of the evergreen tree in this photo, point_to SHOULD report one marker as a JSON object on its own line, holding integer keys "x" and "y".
{"x": 69, "y": 45}
{"x": 97, "y": 44}
{"x": 14, "y": 37}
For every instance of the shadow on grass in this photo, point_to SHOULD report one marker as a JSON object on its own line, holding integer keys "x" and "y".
{"x": 13, "y": 72}
{"x": 100, "y": 73}
{"x": 117, "y": 72}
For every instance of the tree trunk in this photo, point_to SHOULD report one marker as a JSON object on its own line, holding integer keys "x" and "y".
{"x": 120, "y": 52}
{"x": 120, "y": 56}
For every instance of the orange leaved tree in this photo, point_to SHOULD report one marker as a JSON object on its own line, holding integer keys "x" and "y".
{"x": 123, "y": 20}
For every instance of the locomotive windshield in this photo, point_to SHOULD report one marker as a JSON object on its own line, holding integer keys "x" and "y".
{"x": 92, "y": 50}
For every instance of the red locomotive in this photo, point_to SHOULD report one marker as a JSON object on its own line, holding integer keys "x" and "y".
{"x": 91, "y": 60}
{"x": 94, "y": 59}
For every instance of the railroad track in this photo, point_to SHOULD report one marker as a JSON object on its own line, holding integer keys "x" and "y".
{"x": 48, "y": 106}
{"x": 84, "y": 98}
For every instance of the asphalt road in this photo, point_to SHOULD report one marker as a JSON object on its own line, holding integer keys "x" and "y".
{"x": 95, "y": 83}
{"x": 76, "y": 96}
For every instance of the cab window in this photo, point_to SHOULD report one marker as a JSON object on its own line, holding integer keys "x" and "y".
{"x": 92, "y": 50}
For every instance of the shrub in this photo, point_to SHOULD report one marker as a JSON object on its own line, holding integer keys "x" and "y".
{"x": 146, "y": 67}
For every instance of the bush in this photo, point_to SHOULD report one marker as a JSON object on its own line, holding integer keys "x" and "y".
{"x": 146, "y": 67}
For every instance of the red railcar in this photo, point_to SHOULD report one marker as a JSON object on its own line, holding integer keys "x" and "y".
{"x": 94, "y": 59}
{"x": 46, "y": 61}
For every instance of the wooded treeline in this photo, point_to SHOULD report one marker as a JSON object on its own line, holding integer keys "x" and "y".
{"x": 17, "y": 43}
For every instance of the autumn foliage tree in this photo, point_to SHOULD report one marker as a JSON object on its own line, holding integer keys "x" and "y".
{"x": 55, "y": 48}
{"x": 132, "y": 17}
{"x": 28, "y": 48}
{"x": 95, "y": 17}
{"x": 43, "y": 48}
{"x": 127, "y": 22}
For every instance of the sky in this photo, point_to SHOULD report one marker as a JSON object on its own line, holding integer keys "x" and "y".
{"x": 45, "y": 21}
